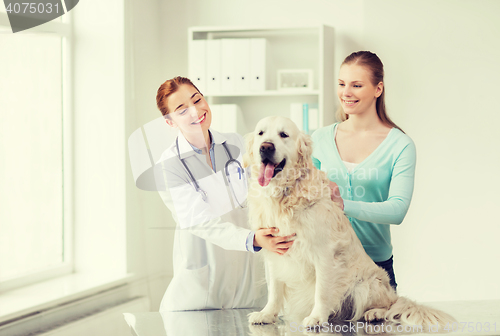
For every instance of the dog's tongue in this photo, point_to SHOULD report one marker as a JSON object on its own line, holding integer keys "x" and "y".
{"x": 265, "y": 174}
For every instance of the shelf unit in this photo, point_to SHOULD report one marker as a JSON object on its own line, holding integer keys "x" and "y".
{"x": 276, "y": 93}
{"x": 301, "y": 47}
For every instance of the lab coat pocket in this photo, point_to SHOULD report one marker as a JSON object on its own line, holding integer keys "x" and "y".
{"x": 237, "y": 184}
{"x": 188, "y": 290}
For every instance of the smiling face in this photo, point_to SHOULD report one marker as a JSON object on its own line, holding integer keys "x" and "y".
{"x": 356, "y": 92}
{"x": 189, "y": 111}
{"x": 276, "y": 144}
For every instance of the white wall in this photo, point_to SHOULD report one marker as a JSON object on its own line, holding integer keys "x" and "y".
{"x": 98, "y": 111}
{"x": 346, "y": 17}
{"x": 442, "y": 68}
{"x": 442, "y": 80}
{"x": 149, "y": 250}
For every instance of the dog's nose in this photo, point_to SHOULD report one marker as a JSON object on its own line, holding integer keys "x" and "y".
{"x": 267, "y": 150}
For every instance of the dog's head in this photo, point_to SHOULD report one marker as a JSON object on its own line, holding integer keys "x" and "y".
{"x": 275, "y": 145}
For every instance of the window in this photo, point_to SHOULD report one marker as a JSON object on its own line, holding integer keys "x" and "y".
{"x": 34, "y": 228}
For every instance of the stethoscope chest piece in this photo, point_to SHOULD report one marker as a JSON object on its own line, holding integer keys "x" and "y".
{"x": 231, "y": 161}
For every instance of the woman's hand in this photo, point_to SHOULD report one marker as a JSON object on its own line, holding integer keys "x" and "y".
{"x": 335, "y": 194}
{"x": 264, "y": 238}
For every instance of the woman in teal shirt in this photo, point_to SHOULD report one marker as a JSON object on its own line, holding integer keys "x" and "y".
{"x": 368, "y": 158}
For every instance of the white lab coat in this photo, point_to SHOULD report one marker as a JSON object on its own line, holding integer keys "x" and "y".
{"x": 212, "y": 267}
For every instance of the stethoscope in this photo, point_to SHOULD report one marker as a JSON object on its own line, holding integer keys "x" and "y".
{"x": 203, "y": 193}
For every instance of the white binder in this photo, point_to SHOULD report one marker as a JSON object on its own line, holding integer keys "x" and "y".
{"x": 242, "y": 64}
{"x": 258, "y": 51}
{"x": 217, "y": 117}
{"x": 296, "y": 112}
{"x": 313, "y": 118}
{"x": 233, "y": 119}
{"x": 228, "y": 118}
{"x": 228, "y": 57}
{"x": 213, "y": 66}
{"x": 197, "y": 64}
{"x": 297, "y": 116}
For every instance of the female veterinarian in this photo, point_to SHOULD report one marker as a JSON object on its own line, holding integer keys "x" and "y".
{"x": 369, "y": 158}
{"x": 206, "y": 193}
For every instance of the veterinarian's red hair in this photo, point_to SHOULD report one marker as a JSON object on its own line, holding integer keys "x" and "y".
{"x": 169, "y": 87}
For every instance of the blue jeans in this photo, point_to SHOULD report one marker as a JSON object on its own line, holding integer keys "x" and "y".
{"x": 388, "y": 267}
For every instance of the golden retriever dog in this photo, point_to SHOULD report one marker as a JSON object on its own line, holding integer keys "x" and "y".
{"x": 326, "y": 274}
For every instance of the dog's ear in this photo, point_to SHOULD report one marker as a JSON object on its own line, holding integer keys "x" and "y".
{"x": 304, "y": 148}
{"x": 248, "y": 156}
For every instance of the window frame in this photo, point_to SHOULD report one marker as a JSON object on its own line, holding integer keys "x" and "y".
{"x": 107, "y": 250}
{"x": 64, "y": 30}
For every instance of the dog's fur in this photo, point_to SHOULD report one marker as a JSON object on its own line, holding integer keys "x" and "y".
{"x": 326, "y": 274}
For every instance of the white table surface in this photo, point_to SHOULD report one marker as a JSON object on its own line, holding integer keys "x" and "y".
{"x": 474, "y": 315}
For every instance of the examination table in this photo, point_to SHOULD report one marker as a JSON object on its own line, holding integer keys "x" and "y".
{"x": 474, "y": 317}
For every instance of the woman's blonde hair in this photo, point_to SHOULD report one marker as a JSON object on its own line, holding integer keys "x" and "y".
{"x": 373, "y": 63}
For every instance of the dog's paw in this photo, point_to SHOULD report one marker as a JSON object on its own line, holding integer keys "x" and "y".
{"x": 314, "y": 320}
{"x": 261, "y": 318}
{"x": 263, "y": 329}
{"x": 375, "y": 314}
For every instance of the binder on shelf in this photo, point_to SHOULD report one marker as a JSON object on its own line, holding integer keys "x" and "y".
{"x": 258, "y": 54}
{"x": 228, "y": 65}
{"x": 242, "y": 64}
{"x": 197, "y": 64}
{"x": 296, "y": 114}
{"x": 313, "y": 118}
{"x": 305, "y": 116}
{"x": 228, "y": 70}
{"x": 213, "y": 66}
{"x": 217, "y": 117}
{"x": 228, "y": 118}
{"x": 233, "y": 119}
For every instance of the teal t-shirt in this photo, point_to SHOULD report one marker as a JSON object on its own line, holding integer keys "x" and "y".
{"x": 377, "y": 192}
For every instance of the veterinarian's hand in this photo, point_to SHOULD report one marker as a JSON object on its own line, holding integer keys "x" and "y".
{"x": 335, "y": 194}
{"x": 264, "y": 238}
